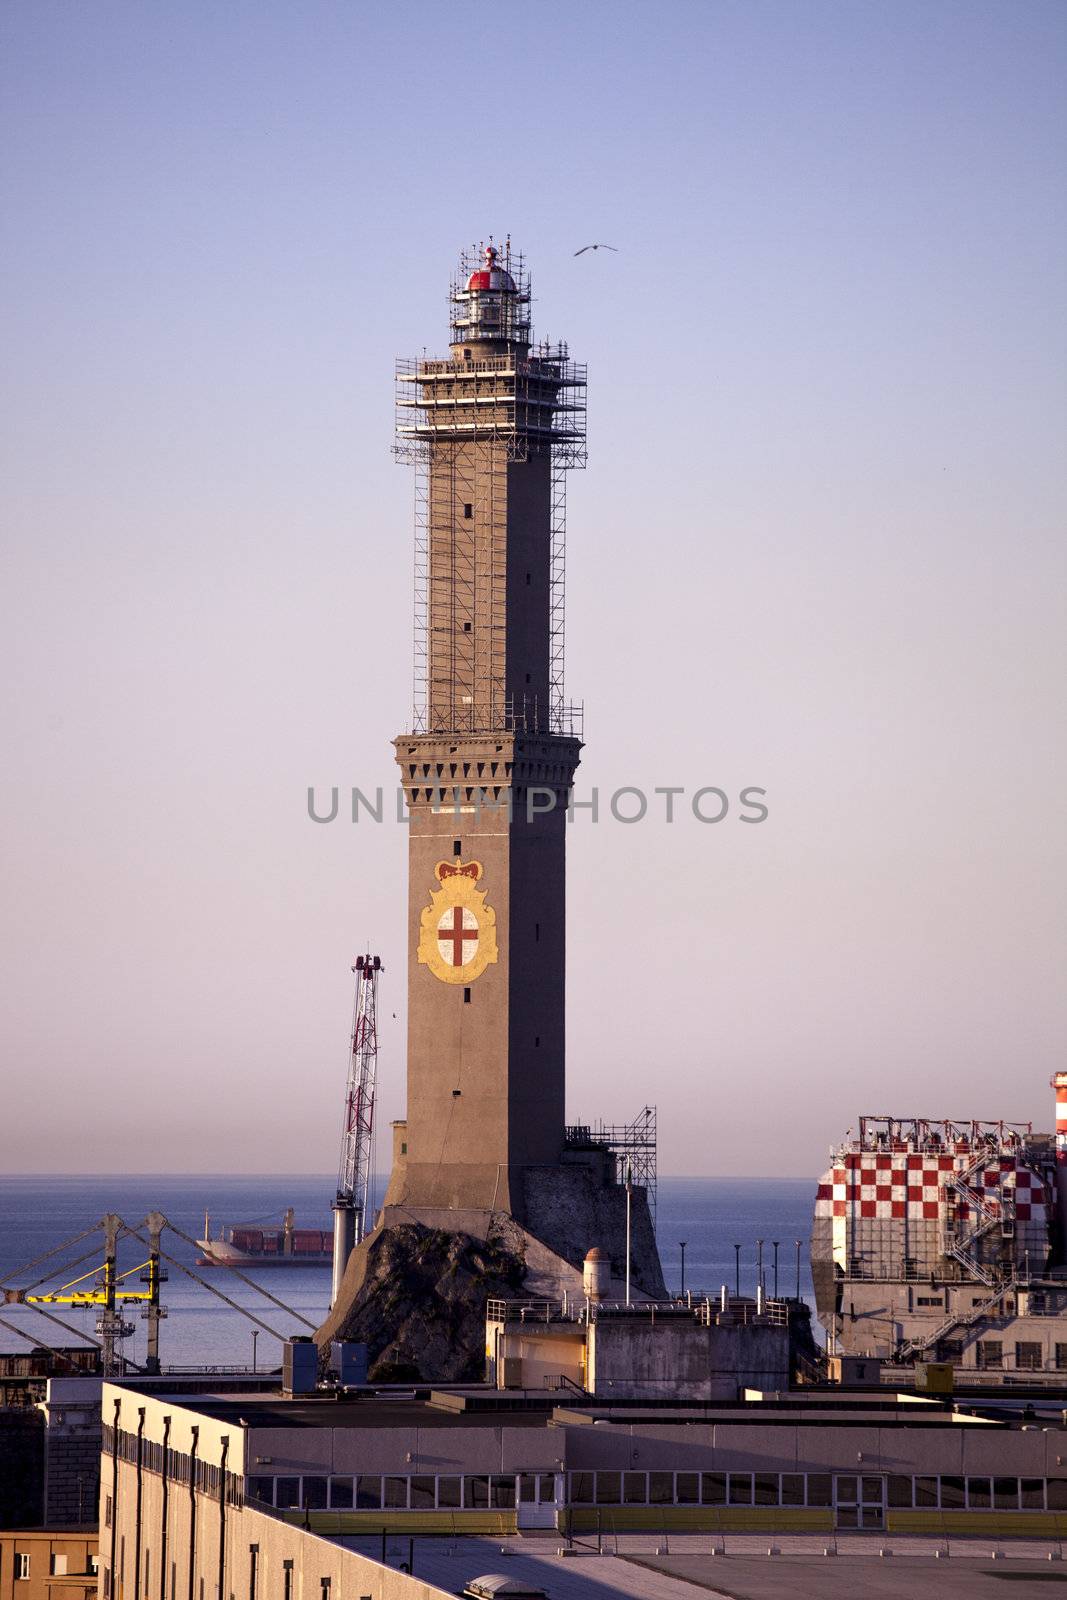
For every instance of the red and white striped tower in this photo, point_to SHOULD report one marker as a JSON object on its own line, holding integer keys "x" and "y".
{"x": 1059, "y": 1083}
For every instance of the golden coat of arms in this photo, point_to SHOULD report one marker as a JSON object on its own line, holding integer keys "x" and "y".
{"x": 457, "y": 930}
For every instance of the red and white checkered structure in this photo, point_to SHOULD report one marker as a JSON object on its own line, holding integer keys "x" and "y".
{"x": 885, "y": 1205}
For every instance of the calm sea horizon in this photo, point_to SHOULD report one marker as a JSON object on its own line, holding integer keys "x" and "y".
{"x": 39, "y": 1212}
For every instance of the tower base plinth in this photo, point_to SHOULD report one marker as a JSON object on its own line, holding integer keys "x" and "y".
{"x": 415, "y": 1290}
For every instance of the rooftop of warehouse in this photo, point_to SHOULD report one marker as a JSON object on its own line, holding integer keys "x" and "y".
{"x": 485, "y": 1407}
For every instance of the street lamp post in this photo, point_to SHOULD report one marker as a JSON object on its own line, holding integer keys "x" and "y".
{"x": 774, "y": 1242}
{"x": 737, "y": 1270}
{"x": 759, "y": 1264}
{"x": 255, "y": 1336}
{"x": 682, "y": 1244}
{"x": 798, "y": 1244}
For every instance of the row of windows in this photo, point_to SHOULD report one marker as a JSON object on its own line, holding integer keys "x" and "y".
{"x": 815, "y": 1489}
{"x": 58, "y": 1564}
{"x": 979, "y": 1494}
{"x": 701, "y": 1488}
{"x": 420, "y": 1492}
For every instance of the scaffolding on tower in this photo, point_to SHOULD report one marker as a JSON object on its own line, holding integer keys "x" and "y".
{"x": 351, "y": 1206}
{"x": 633, "y": 1144}
{"x": 529, "y": 401}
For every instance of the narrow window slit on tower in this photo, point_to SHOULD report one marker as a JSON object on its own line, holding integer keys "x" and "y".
{"x": 466, "y": 997}
{"x": 537, "y": 933}
{"x": 468, "y": 510}
{"x": 466, "y": 627}
{"x": 457, "y": 847}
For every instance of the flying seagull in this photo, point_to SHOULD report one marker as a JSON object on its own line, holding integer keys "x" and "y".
{"x": 586, "y": 247}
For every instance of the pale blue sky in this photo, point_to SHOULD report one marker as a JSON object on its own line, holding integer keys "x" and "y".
{"x": 819, "y": 548}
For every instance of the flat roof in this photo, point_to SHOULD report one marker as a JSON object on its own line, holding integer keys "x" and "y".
{"x": 370, "y": 1411}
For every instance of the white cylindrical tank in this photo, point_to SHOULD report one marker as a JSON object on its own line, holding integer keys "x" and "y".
{"x": 596, "y": 1274}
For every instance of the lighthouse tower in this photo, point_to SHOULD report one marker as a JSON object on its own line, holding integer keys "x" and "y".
{"x": 486, "y": 769}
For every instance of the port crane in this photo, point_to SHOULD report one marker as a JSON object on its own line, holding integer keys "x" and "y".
{"x": 108, "y": 1290}
{"x": 351, "y": 1205}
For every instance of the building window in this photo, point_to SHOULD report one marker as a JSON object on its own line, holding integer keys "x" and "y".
{"x": 929, "y": 1300}
{"x": 820, "y": 1489}
{"x": 634, "y": 1488}
{"x": 108, "y": 1508}
{"x": 898, "y": 1491}
{"x": 466, "y": 627}
{"x": 325, "y": 1582}
{"x": 952, "y": 1496}
{"x": 422, "y": 1494}
{"x": 766, "y": 1489}
{"x": 287, "y": 1497}
{"x": 22, "y": 1565}
{"x": 713, "y": 1488}
{"x": 369, "y": 1494}
{"x": 261, "y": 1489}
{"x": 740, "y": 1488}
{"x": 253, "y": 1570}
{"x": 1028, "y": 1355}
{"x": 661, "y": 1488}
{"x": 476, "y": 1493}
{"x": 926, "y": 1491}
{"x": 287, "y": 1580}
{"x": 978, "y": 1496}
{"x": 687, "y": 1488}
{"x": 466, "y": 996}
{"x": 990, "y": 1354}
{"x": 1005, "y": 1494}
{"x": 457, "y": 847}
{"x": 107, "y": 1583}
{"x": 468, "y": 510}
{"x": 449, "y": 1493}
{"x": 341, "y": 1494}
{"x": 608, "y": 1488}
{"x": 314, "y": 1496}
{"x": 950, "y": 1350}
{"x": 792, "y": 1488}
{"x": 396, "y": 1494}
{"x": 1056, "y": 1489}
{"x": 504, "y": 1494}
{"x": 1032, "y": 1494}
{"x": 582, "y": 1488}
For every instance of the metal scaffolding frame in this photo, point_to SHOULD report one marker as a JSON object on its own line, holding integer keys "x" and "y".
{"x": 633, "y": 1144}
{"x": 525, "y": 403}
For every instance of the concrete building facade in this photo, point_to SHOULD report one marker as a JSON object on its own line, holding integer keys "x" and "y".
{"x": 216, "y": 1490}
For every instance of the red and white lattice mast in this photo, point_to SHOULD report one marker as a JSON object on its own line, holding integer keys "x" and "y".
{"x": 352, "y": 1203}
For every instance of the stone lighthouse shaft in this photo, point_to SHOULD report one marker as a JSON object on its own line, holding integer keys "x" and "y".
{"x": 487, "y": 770}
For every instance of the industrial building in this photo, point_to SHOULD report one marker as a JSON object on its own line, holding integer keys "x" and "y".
{"x": 944, "y": 1241}
{"x": 256, "y": 1494}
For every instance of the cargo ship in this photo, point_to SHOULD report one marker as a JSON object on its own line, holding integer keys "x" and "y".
{"x": 250, "y": 1245}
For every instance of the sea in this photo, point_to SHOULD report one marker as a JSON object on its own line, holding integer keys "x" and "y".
{"x": 719, "y": 1220}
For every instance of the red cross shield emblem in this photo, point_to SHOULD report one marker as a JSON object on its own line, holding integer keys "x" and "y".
{"x": 457, "y": 933}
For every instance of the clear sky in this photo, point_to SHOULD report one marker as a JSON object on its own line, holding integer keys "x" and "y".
{"x": 819, "y": 548}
